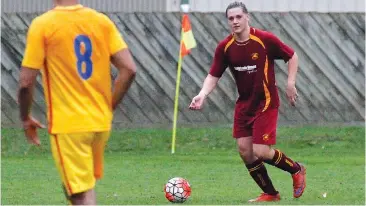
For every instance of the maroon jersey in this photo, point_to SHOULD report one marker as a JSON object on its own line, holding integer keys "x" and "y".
{"x": 252, "y": 65}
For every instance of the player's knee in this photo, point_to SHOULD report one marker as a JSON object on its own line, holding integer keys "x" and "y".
{"x": 262, "y": 151}
{"x": 259, "y": 154}
{"x": 246, "y": 153}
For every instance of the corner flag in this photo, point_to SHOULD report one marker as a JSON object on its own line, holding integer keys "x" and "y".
{"x": 187, "y": 42}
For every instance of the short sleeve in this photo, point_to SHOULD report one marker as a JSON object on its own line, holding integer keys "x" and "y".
{"x": 219, "y": 64}
{"x": 278, "y": 49}
{"x": 116, "y": 41}
{"x": 34, "y": 55}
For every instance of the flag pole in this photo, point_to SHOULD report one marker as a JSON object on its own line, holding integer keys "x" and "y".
{"x": 176, "y": 100}
{"x": 184, "y": 6}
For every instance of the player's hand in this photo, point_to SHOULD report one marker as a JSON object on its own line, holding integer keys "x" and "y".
{"x": 291, "y": 94}
{"x": 30, "y": 126}
{"x": 197, "y": 102}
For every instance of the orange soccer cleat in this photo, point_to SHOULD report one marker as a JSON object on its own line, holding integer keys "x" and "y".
{"x": 299, "y": 181}
{"x": 264, "y": 197}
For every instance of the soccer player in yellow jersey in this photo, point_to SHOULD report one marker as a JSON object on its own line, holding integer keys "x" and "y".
{"x": 73, "y": 46}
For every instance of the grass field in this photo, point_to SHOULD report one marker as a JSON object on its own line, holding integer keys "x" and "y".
{"x": 139, "y": 163}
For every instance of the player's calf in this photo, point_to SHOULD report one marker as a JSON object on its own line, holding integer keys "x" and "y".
{"x": 255, "y": 166}
{"x": 259, "y": 174}
{"x": 281, "y": 161}
{"x": 298, "y": 172}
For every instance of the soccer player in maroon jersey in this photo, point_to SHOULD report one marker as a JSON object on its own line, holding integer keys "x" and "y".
{"x": 249, "y": 53}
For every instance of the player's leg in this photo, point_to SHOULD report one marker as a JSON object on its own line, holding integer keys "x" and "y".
{"x": 80, "y": 198}
{"x": 280, "y": 160}
{"x": 264, "y": 133}
{"x": 242, "y": 132}
{"x": 73, "y": 157}
{"x": 256, "y": 169}
{"x": 84, "y": 198}
{"x": 276, "y": 158}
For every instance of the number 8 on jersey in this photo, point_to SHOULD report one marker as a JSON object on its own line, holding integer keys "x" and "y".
{"x": 83, "y": 51}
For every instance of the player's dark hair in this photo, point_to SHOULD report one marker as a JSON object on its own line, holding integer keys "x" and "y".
{"x": 237, "y": 5}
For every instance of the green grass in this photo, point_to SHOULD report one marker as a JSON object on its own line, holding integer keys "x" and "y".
{"x": 139, "y": 163}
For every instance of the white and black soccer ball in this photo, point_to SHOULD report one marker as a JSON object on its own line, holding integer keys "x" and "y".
{"x": 177, "y": 190}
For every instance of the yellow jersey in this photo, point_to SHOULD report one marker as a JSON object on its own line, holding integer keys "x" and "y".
{"x": 72, "y": 46}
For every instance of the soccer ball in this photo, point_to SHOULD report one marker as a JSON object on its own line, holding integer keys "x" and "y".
{"x": 177, "y": 190}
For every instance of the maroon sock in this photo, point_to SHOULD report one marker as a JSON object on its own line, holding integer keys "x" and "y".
{"x": 280, "y": 160}
{"x": 259, "y": 173}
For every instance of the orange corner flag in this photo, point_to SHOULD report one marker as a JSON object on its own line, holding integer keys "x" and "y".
{"x": 187, "y": 42}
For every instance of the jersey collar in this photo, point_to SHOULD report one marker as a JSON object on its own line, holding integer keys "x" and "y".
{"x": 69, "y": 8}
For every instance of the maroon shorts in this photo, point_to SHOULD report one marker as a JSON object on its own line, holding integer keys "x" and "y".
{"x": 261, "y": 127}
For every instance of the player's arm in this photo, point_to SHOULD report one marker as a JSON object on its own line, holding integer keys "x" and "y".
{"x": 27, "y": 80}
{"x": 293, "y": 65}
{"x": 208, "y": 85}
{"x": 217, "y": 69}
{"x": 280, "y": 50}
{"x": 33, "y": 60}
{"x": 291, "y": 91}
{"x": 122, "y": 59}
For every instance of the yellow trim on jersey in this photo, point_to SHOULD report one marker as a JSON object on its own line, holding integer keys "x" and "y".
{"x": 266, "y": 70}
{"x": 229, "y": 43}
{"x": 268, "y": 97}
{"x": 266, "y": 91}
{"x": 255, "y": 38}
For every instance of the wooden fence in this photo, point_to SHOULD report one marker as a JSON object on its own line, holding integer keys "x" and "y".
{"x": 331, "y": 79}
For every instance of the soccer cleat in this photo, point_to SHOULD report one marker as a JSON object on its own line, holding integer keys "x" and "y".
{"x": 299, "y": 181}
{"x": 264, "y": 197}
